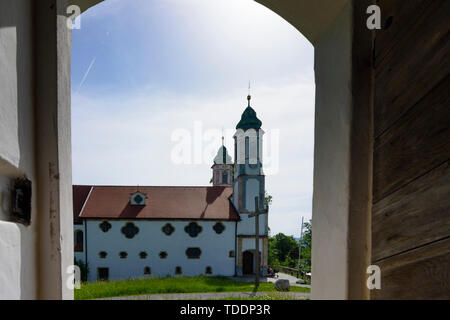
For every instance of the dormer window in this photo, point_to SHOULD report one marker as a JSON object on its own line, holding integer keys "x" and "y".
{"x": 138, "y": 199}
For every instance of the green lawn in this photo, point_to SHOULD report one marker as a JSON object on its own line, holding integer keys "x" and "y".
{"x": 169, "y": 285}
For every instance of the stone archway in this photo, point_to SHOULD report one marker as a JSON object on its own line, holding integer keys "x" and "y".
{"x": 342, "y": 155}
{"x": 35, "y": 136}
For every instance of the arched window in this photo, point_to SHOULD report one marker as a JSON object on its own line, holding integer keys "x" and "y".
{"x": 147, "y": 270}
{"x": 78, "y": 241}
{"x": 247, "y": 148}
{"x": 208, "y": 270}
{"x": 178, "y": 270}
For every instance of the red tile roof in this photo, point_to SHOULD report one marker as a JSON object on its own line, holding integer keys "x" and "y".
{"x": 192, "y": 203}
{"x": 80, "y": 194}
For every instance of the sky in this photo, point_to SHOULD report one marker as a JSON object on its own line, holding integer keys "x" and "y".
{"x": 156, "y": 83}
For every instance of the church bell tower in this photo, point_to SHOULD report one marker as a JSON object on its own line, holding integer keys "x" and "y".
{"x": 248, "y": 173}
{"x": 222, "y": 168}
{"x": 248, "y": 183}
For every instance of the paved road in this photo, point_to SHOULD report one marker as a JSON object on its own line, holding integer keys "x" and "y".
{"x": 209, "y": 296}
{"x": 292, "y": 280}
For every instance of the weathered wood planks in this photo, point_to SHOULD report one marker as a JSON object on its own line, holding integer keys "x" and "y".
{"x": 413, "y": 216}
{"x": 411, "y": 159}
{"x": 409, "y": 64}
{"x": 415, "y": 145}
{"x": 422, "y": 273}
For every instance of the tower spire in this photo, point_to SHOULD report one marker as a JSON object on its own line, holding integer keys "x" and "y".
{"x": 223, "y": 138}
{"x": 249, "y": 97}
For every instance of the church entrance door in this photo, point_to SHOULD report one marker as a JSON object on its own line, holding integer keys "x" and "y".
{"x": 247, "y": 262}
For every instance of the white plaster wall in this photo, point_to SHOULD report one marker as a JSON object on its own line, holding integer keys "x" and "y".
{"x": 64, "y": 152}
{"x": 240, "y": 145}
{"x": 215, "y": 249}
{"x": 247, "y": 225}
{"x": 35, "y": 142}
{"x": 5, "y": 198}
{"x": 251, "y": 191}
{"x": 9, "y": 139}
{"x": 249, "y": 244}
{"x": 331, "y": 160}
{"x": 252, "y": 146}
{"x": 261, "y": 133}
{"x": 18, "y": 256}
{"x": 53, "y": 148}
{"x": 16, "y": 87}
{"x": 11, "y": 261}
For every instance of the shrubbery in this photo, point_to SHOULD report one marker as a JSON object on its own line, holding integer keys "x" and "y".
{"x": 84, "y": 269}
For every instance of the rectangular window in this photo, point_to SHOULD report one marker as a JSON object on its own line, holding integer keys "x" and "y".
{"x": 178, "y": 270}
{"x": 224, "y": 177}
{"x": 103, "y": 274}
{"x": 78, "y": 241}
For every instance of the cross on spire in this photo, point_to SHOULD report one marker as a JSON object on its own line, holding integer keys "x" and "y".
{"x": 223, "y": 138}
{"x": 249, "y": 96}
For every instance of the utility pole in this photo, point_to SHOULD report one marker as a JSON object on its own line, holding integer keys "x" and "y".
{"x": 258, "y": 264}
{"x": 300, "y": 247}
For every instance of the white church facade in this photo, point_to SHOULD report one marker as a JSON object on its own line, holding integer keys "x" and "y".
{"x": 127, "y": 232}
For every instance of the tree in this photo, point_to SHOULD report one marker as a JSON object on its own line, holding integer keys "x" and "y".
{"x": 267, "y": 200}
{"x": 306, "y": 241}
{"x": 283, "y": 250}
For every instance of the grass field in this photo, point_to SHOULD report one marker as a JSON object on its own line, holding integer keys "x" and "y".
{"x": 169, "y": 285}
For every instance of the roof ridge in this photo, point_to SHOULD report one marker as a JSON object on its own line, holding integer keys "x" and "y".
{"x": 85, "y": 201}
{"x": 133, "y": 186}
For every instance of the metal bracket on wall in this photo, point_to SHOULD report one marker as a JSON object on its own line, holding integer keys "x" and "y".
{"x": 21, "y": 201}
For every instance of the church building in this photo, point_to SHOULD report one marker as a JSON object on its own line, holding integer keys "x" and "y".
{"x": 127, "y": 232}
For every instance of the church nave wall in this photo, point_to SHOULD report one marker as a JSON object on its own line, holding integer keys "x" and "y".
{"x": 161, "y": 245}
